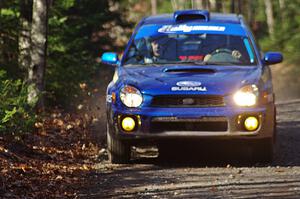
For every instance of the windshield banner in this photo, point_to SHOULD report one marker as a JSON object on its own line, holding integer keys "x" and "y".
{"x": 157, "y": 30}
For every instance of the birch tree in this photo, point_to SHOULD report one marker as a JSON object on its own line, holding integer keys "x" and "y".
{"x": 36, "y": 70}
{"x": 154, "y": 7}
{"x": 282, "y": 9}
{"x": 198, "y": 4}
{"x": 250, "y": 12}
{"x": 178, "y": 4}
{"x": 201, "y": 4}
{"x": 270, "y": 16}
{"x": 213, "y": 4}
{"x": 181, "y": 4}
{"x": 24, "y": 33}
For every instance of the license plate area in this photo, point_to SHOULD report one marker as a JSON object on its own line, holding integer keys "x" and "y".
{"x": 213, "y": 124}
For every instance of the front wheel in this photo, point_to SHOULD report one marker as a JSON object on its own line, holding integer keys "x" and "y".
{"x": 119, "y": 152}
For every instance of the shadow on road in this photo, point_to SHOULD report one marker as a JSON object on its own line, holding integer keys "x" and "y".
{"x": 203, "y": 154}
{"x": 234, "y": 153}
{"x": 288, "y": 144}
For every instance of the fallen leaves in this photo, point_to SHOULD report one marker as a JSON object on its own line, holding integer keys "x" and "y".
{"x": 69, "y": 126}
{"x": 83, "y": 86}
{"x": 38, "y": 125}
{"x": 63, "y": 154}
{"x": 58, "y": 177}
{"x": 3, "y": 149}
{"x": 58, "y": 122}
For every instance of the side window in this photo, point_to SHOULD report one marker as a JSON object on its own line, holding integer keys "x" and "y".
{"x": 142, "y": 47}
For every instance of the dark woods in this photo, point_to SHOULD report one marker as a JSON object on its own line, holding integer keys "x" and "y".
{"x": 50, "y": 47}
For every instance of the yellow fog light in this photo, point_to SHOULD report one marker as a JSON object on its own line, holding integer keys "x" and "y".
{"x": 128, "y": 124}
{"x": 251, "y": 123}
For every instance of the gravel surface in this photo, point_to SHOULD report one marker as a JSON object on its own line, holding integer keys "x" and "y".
{"x": 206, "y": 178}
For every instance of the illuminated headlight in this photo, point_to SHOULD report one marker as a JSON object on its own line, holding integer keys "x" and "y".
{"x": 131, "y": 96}
{"x": 246, "y": 96}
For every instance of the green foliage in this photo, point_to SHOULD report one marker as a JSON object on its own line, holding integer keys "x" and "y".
{"x": 74, "y": 45}
{"x": 9, "y": 14}
{"x": 79, "y": 31}
{"x": 165, "y": 7}
{"x": 287, "y": 27}
{"x": 15, "y": 115}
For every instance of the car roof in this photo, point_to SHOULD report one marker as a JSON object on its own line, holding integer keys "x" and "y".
{"x": 213, "y": 18}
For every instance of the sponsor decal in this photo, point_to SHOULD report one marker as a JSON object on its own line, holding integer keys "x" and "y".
{"x": 187, "y": 28}
{"x": 188, "y": 83}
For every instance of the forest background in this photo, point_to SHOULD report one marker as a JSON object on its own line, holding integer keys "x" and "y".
{"x": 50, "y": 49}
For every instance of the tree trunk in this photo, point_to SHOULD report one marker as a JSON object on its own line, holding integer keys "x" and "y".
{"x": 270, "y": 16}
{"x": 282, "y": 9}
{"x": 205, "y": 4}
{"x": 199, "y": 4}
{"x": 282, "y": 4}
{"x": 213, "y": 4}
{"x": 174, "y": 4}
{"x": 224, "y": 7}
{"x": 208, "y": 5}
{"x": 36, "y": 70}
{"x": 24, "y": 34}
{"x": 232, "y": 6}
{"x": 240, "y": 6}
{"x": 181, "y": 4}
{"x": 178, "y": 4}
{"x": 250, "y": 12}
{"x": 154, "y": 7}
{"x": 219, "y": 5}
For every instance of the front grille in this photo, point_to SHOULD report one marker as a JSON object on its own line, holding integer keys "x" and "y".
{"x": 171, "y": 124}
{"x": 188, "y": 101}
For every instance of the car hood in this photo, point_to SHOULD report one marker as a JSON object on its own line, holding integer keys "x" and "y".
{"x": 210, "y": 80}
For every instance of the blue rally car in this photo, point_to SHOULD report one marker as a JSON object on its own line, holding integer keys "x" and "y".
{"x": 190, "y": 75}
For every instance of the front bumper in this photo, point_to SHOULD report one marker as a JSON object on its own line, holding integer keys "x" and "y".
{"x": 231, "y": 116}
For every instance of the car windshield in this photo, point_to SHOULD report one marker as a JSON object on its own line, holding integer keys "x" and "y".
{"x": 199, "y": 45}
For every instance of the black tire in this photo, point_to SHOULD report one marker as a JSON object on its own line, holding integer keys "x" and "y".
{"x": 118, "y": 151}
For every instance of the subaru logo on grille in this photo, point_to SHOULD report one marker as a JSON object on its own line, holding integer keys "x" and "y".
{"x": 188, "y": 101}
{"x": 188, "y": 83}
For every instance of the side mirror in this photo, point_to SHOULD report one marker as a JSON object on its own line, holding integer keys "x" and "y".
{"x": 110, "y": 58}
{"x": 272, "y": 58}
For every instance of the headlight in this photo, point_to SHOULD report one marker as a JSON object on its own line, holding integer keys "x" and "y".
{"x": 131, "y": 96}
{"x": 246, "y": 96}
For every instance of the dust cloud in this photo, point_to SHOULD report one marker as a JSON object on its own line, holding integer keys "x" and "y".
{"x": 286, "y": 82}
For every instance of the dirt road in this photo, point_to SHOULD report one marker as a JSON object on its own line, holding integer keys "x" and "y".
{"x": 152, "y": 178}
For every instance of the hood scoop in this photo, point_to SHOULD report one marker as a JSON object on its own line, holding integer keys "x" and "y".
{"x": 190, "y": 70}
